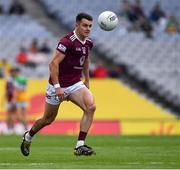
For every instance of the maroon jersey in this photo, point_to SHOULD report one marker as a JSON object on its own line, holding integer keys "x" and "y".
{"x": 9, "y": 89}
{"x": 76, "y": 52}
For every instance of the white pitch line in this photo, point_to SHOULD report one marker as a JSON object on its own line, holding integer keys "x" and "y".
{"x": 9, "y": 148}
{"x": 134, "y": 163}
{"x": 31, "y": 164}
{"x": 155, "y": 163}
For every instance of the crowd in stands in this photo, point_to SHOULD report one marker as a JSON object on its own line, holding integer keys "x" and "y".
{"x": 97, "y": 69}
{"x": 100, "y": 70}
{"x": 134, "y": 13}
{"x": 30, "y": 57}
{"x": 34, "y": 55}
{"x": 140, "y": 21}
{"x": 15, "y": 8}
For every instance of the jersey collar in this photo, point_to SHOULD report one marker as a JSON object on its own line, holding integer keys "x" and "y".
{"x": 83, "y": 42}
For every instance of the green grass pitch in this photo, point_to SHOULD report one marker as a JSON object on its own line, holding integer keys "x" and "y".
{"x": 112, "y": 152}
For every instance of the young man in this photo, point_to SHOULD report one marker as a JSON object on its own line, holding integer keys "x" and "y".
{"x": 16, "y": 99}
{"x": 69, "y": 62}
{"x": 20, "y": 85}
{"x": 11, "y": 102}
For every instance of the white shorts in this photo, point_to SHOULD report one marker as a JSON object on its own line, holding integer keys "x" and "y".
{"x": 51, "y": 97}
{"x": 21, "y": 104}
{"x": 11, "y": 106}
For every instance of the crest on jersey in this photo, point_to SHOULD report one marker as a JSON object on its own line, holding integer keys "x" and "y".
{"x": 61, "y": 47}
{"x": 84, "y": 50}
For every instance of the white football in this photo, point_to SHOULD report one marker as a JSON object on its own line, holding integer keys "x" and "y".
{"x": 108, "y": 20}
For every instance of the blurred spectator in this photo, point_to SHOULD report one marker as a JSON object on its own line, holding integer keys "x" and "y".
{"x": 146, "y": 27}
{"x": 45, "y": 48}
{"x": 128, "y": 12}
{"x": 100, "y": 71}
{"x": 16, "y": 8}
{"x": 37, "y": 58}
{"x": 1, "y": 10}
{"x": 138, "y": 9}
{"x": 5, "y": 68}
{"x": 117, "y": 71}
{"x": 134, "y": 14}
{"x": 172, "y": 24}
{"x": 157, "y": 13}
{"x": 26, "y": 59}
{"x": 34, "y": 46}
{"x": 22, "y": 57}
{"x": 161, "y": 26}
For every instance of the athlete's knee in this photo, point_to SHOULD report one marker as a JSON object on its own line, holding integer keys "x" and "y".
{"x": 91, "y": 108}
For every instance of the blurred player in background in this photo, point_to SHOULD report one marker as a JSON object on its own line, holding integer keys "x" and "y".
{"x": 21, "y": 98}
{"x": 16, "y": 100}
{"x": 66, "y": 67}
{"x": 11, "y": 102}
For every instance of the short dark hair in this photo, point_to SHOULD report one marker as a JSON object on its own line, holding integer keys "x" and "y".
{"x": 82, "y": 15}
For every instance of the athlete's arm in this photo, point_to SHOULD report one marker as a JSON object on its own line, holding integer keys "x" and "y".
{"x": 54, "y": 66}
{"x": 54, "y": 71}
{"x": 86, "y": 72}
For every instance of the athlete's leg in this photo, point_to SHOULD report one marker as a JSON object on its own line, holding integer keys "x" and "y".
{"x": 11, "y": 117}
{"x": 22, "y": 116}
{"x": 48, "y": 117}
{"x": 84, "y": 99}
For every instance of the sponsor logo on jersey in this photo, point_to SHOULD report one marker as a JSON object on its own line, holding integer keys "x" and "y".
{"x": 78, "y": 49}
{"x": 61, "y": 47}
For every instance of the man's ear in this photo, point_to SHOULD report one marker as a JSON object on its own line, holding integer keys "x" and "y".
{"x": 76, "y": 24}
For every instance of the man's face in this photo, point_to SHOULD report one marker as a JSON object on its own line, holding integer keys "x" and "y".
{"x": 84, "y": 27}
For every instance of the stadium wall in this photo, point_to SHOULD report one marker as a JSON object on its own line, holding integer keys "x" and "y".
{"x": 120, "y": 110}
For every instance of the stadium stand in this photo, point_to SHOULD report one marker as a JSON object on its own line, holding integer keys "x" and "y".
{"x": 153, "y": 62}
{"x": 27, "y": 29}
{"x": 18, "y": 31}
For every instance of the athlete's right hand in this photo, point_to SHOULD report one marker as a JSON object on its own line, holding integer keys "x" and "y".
{"x": 60, "y": 93}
